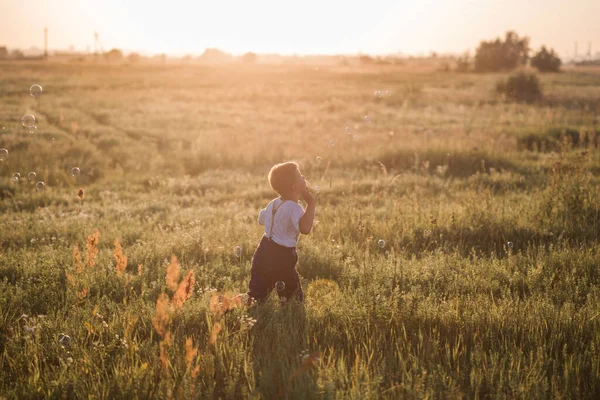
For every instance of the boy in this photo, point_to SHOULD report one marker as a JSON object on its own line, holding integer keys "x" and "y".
{"x": 274, "y": 262}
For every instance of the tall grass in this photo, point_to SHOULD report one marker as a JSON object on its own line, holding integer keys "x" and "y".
{"x": 124, "y": 282}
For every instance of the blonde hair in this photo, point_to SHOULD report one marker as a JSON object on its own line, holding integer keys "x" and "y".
{"x": 281, "y": 176}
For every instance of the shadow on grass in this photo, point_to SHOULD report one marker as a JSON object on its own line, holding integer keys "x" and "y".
{"x": 279, "y": 342}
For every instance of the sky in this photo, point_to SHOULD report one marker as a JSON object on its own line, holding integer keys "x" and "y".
{"x": 298, "y": 27}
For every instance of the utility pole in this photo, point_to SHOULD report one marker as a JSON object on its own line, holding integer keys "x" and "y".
{"x": 46, "y": 43}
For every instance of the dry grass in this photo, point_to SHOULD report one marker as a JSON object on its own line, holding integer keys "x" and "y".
{"x": 486, "y": 286}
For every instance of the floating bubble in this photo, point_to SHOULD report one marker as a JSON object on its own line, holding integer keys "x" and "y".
{"x": 317, "y": 189}
{"x": 32, "y": 129}
{"x": 367, "y": 119}
{"x": 348, "y": 130}
{"x": 378, "y": 94}
{"x": 35, "y": 90}
{"x": 355, "y": 137}
{"x": 14, "y": 179}
{"x": 17, "y": 175}
{"x": 31, "y": 176}
{"x": 319, "y": 160}
{"x": 510, "y": 245}
{"x": 3, "y": 154}
{"x": 28, "y": 120}
{"x": 40, "y": 186}
{"x": 388, "y": 93}
{"x": 331, "y": 143}
{"x": 381, "y": 243}
{"x": 280, "y": 286}
{"x": 75, "y": 171}
{"x": 237, "y": 251}
{"x": 64, "y": 340}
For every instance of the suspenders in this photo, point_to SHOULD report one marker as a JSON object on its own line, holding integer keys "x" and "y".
{"x": 273, "y": 218}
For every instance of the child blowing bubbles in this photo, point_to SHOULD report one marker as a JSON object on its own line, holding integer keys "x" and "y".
{"x": 284, "y": 219}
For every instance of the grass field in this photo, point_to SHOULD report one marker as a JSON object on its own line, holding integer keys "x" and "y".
{"x": 488, "y": 284}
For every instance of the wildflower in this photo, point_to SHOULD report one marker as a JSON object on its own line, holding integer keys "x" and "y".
{"x": 215, "y": 332}
{"x": 120, "y": 258}
{"x": 190, "y": 352}
{"x": 92, "y": 249}
{"x": 164, "y": 359}
{"x": 81, "y": 295}
{"x": 173, "y": 274}
{"x": 309, "y": 360}
{"x": 184, "y": 290}
{"x": 162, "y": 317}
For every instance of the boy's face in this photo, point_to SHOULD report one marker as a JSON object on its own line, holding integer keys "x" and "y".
{"x": 299, "y": 184}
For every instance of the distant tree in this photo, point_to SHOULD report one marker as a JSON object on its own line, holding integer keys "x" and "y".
{"x": 161, "y": 58}
{"x": 249, "y": 58}
{"x": 114, "y": 55}
{"x": 17, "y": 54}
{"x": 365, "y": 59}
{"x": 463, "y": 63}
{"x": 213, "y": 55}
{"x": 3, "y": 53}
{"x": 546, "y": 60}
{"x": 521, "y": 87}
{"x": 133, "y": 57}
{"x": 501, "y": 55}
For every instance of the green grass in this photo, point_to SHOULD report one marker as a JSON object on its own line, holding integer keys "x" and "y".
{"x": 174, "y": 162}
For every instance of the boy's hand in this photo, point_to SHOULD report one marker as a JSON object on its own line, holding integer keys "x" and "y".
{"x": 307, "y": 196}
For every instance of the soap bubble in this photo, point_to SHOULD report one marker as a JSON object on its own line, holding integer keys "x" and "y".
{"x": 355, "y": 137}
{"x": 367, "y": 119}
{"x": 237, "y": 251}
{"x": 331, "y": 143}
{"x": 32, "y": 129}
{"x": 319, "y": 160}
{"x": 31, "y": 176}
{"x": 75, "y": 171}
{"x": 28, "y": 120}
{"x": 35, "y": 90}
{"x": 510, "y": 245}
{"x": 348, "y": 130}
{"x": 64, "y": 340}
{"x": 378, "y": 94}
{"x": 16, "y": 177}
{"x": 317, "y": 189}
{"x": 381, "y": 243}
{"x": 388, "y": 93}
{"x": 3, "y": 154}
{"x": 280, "y": 286}
{"x": 40, "y": 186}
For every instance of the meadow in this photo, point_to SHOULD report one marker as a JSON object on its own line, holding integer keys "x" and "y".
{"x": 455, "y": 251}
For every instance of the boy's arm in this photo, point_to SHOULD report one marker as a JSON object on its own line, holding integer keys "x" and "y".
{"x": 261, "y": 216}
{"x": 306, "y": 221}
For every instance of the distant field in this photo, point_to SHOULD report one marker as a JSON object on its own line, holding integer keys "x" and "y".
{"x": 487, "y": 286}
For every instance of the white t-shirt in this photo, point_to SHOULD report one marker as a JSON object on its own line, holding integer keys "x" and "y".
{"x": 287, "y": 221}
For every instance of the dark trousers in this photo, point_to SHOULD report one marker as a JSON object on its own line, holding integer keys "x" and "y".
{"x": 273, "y": 263}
